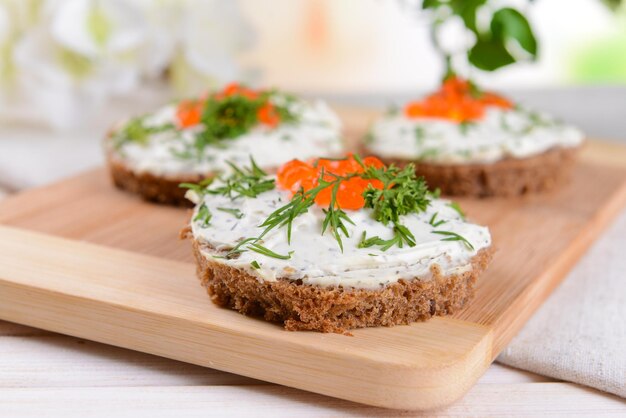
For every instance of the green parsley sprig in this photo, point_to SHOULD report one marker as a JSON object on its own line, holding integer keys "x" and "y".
{"x": 402, "y": 192}
{"x": 229, "y": 117}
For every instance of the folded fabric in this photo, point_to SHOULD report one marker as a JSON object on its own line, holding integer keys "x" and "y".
{"x": 579, "y": 333}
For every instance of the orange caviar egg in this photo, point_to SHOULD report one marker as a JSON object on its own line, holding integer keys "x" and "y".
{"x": 189, "y": 113}
{"x": 296, "y": 175}
{"x": 268, "y": 115}
{"x": 492, "y": 99}
{"x": 233, "y": 89}
{"x": 455, "y": 102}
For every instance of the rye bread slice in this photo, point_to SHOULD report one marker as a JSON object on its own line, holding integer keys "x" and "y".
{"x": 153, "y": 188}
{"x": 507, "y": 177}
{"x": 299, "y": 306}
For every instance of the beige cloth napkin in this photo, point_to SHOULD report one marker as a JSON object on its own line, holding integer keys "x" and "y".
{"x": 579, "y": 333}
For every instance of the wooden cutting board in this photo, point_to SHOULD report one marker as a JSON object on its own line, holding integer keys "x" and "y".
{"x": 81, "y": 258}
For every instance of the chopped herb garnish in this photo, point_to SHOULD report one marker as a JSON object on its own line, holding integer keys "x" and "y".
{"x": 402, "y": 193}
{"x": 255, "y": 265}
{"x": 197, "y": 187}
{"x": 453, "y": 236}
{"x": 420, "y": 135}
{"x": 433, "y": 220}
{"x": 401, "y": 236}
{"x": 465, "y": 126}
{"x": 248, "y": 181}
{"x": 258, "y": 248}
{"x": 203, "y": 216}
{"x": 137, "y": 131}
{"x": 457, "y": 208}
{"x": 233, "y": 211}
{"x": 229, "y": 117}
{"x": 335, "y": 218}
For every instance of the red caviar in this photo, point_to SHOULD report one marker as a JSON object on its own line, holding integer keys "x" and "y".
{"x": 234, "y": 89}
{"x": 268, "y": 115}
{"x": 454, "y": 101}
{"x": 189, "y": 112}
{"x": 297, "y": 174}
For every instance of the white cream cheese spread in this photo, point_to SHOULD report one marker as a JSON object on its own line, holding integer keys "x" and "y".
{"x": 171, "y": 152}
{"x": 316, "y": 259}
{"x": 500, "y": 134}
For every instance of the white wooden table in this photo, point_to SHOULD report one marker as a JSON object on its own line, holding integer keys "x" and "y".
{"x": 46, "y": 374}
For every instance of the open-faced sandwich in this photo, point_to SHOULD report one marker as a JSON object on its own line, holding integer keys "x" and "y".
{"x": 193, "y": 140}
{"x": 471, "y": 142}
{"x": 334, "y": 244}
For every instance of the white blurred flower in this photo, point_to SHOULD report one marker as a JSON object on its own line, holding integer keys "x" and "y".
{"x": 62, "y": 59}
{"x": 453, "y": 36}
{"x": 213, "y": 33}
{"x": 80, "y": 53}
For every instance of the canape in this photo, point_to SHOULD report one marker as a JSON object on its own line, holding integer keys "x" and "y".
{"x": 470, "y": 142}
{"x": 193, "y": 140}
{"x": 334, "y": 244}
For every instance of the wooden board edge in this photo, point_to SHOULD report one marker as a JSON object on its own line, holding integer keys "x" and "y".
{"x": 512, "y": 321}
{"x": 378, "y": 382}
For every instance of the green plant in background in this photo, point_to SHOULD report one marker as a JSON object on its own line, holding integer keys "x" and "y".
{"x": 502, "y": 35}
{"x": 499, "y": 36}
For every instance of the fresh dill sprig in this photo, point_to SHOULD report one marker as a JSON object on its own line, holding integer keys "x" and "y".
{"x": 233, "y": 211}
{"x": 401, "y": 236}
{"x": 203, "y": 216}
{"x": 402, "y": 193}
{"x": 247, "y": 181}
{"x": 453, "y": 236}
{"x": 299, "y": 204}
{"x": 434, "y": 222}
{"x": 457, "y": 208}
{"x": 465, "y": 126}
{"x": 335, "y": 218}
{"x": 199, "y": 187}
{"x": 137, "y": 131}
{"x": 420, "y": 135}
{"x": 258, "y": 248}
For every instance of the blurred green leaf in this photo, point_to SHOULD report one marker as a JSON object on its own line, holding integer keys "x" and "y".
{"x": 490, "y": 51}
{"x": 489, "y": 55}
{"x": 508, "y": 23}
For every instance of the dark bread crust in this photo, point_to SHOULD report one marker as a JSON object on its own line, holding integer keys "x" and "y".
{"x": 301, "y": 306}
{"x": 159, "y": 189}
{"x": 507, "y": 177}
